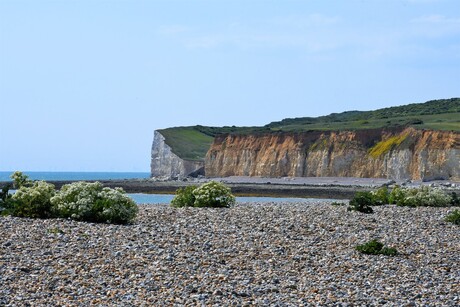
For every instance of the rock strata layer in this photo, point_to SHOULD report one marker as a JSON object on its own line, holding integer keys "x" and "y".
{"x": 391, "y": 153}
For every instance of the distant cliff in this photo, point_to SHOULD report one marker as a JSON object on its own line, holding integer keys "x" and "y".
{"x": 165, "y": 164}
{"x": 395, "y": 153}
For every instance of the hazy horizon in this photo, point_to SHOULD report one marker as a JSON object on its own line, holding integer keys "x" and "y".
{"x": 83, "y": 84}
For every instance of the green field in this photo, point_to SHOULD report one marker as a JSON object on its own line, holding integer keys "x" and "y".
{"x": 192, "y": 143}
{"x": 187, "y": 142}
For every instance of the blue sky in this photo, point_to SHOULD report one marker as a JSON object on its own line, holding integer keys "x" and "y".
{"x": 83, "y": 84}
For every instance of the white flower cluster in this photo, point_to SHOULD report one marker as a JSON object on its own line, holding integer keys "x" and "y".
{"x": 213, "y": 194}
{"x": 424, "y": 196}
{"x": 92, "y": 202}
{"x": 34, "y": 200}
{"x": 40, "y": 192}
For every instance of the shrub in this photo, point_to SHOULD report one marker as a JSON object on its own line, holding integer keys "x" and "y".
{"x": 210, "y": 194}
{"x": 422, "y": 196}
{"x": 184, "y": 197}
{"x": 362, "y": 202}
{"x": 396, "y": 196}
{"x": 33, "y": 201}
{"x": 454, "y": 217}
{"x": 5, "y": 198}
{"x": 455, "y": 201}
{"x": 380, "y": 197}
{"x": 213, "y": 194}
{"x": 375, "y": 247}
{"x": 92, "y": 202}
{"x": 338, "y": 204}
{"x": 20, "y": 180}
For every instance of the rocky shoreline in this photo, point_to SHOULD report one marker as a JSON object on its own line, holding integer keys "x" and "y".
{"x": 285, "y": 254}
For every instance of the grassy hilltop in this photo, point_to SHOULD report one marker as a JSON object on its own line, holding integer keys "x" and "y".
{"x": 192, "y": 143}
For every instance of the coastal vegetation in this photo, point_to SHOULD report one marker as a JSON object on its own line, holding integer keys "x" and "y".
{"x": 454, "y": 217}
{"x": 424, "y": 196}
{"x": 79, "y": 201}
{"x": 211, "y": 194}
{"x": 381, "y": 148}
{"x": 375, "y": 247}
{"x": 91, "y": 202}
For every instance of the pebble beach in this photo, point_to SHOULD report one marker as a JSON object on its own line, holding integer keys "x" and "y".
{"x": 252, "y": 254}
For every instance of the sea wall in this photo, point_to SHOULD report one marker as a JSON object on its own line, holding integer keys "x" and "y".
{"x": 390, "y": 153}
{"x": 165, "y": 164}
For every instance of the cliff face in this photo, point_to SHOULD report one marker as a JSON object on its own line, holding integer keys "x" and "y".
{"x": 395, "y": 154}
{"x": 165, "y": 164}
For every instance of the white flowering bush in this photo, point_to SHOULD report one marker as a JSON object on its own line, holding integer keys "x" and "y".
{"x": 20, "y": 179}
{"x": 210, "y": 194}
{"x": 422, "y": 196}
{"x": 33, "y": 201}
{"x": 213, "y": 194}
{"x": 92, "y": 202}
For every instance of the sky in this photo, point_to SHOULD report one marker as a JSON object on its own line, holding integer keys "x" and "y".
{"x": 84, "y": 84}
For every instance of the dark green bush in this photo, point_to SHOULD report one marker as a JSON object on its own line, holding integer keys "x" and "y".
{"x": 455, "y": 201}
{"x": 184, "y": 197}
{"x": 5, "y": 199}
{"x": 362, "y": 202}
{"x": 454, "y": 217}
{"x": 375, "y": 247}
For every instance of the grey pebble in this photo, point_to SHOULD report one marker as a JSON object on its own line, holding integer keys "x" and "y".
{"x": 276, "y": 254}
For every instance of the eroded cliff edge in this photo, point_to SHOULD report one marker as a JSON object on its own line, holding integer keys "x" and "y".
{"x": 375, "y": 153}
{"x": 165, "y": 164}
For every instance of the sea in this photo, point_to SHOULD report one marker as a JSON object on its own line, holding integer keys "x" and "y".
{"x": 139, "y": 198}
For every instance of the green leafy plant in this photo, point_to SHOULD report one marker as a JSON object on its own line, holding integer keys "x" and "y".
{"x": 184, "y": 197}
{"x": 92, "y": 202}
{"x": 422, "y": 196}
{"x": 375, "y": 247}
{"x": 397, "y": 195}
{"x": 213, "y": 194}
{"x": 5, "y": 199}
{"x": 381, "y": 196}
{"x": 455, "y": 201}
{"x": 362, "y": 202}
{"x": 33, "y": 201}
{"x": 20, "y": 179}
{"x": 453, "y": 217}
{"x": 210, "y": 194}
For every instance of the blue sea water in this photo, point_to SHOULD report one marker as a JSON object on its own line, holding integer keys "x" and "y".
{"x": 166, "y": 199}
{"x": 5, "y": 176}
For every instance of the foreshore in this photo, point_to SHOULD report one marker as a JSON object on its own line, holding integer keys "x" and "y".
{"x": 303, "y": 187}
{"x": 252, "y": 254}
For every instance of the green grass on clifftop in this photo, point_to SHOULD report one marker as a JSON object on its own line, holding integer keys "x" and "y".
{"x": 187, "y": 142}
{"x": 192, "y": 143}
